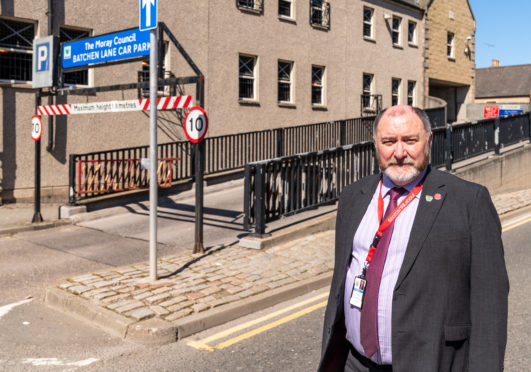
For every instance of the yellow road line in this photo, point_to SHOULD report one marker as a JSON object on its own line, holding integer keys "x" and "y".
{"x": 269, "y": 326}
{"x": 515, "y": 225}
{"x": 203, "y": 344}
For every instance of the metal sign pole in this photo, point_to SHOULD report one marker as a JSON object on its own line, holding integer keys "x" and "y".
{"x": 153, "y": 184}
{"x": 37, "y": 217}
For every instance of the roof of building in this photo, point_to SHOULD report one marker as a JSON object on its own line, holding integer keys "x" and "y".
{"x": 505, "y": 81}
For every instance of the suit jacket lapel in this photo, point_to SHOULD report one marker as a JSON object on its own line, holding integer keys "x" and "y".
{"x": 430, "y": 203}
{"x": 357, "y": 205}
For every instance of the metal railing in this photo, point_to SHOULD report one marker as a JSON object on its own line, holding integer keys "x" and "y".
{"x": 288, "y": 185}
{"x": 292, "y": 184}
{"x": 223, "y": 153}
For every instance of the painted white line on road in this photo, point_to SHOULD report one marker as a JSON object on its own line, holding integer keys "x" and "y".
{"x": 57, "y": 362}
{"x": 7, "y": 308}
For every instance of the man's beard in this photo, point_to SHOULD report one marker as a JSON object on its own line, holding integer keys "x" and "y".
{"x": 405, "y": 175}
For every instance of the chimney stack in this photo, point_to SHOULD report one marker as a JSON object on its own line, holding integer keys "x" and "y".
{"x": 495, "y": 63}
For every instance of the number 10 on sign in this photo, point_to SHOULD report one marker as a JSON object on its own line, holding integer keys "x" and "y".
{"x": 195, "y": 124}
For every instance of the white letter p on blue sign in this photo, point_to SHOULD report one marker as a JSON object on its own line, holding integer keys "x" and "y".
{"x": 43, "y": 60}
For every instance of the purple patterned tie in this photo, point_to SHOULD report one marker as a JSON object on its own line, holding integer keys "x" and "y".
{"x": 369, "y": 311}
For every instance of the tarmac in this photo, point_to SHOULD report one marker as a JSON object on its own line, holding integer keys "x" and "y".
{"x": 197, "y": 291}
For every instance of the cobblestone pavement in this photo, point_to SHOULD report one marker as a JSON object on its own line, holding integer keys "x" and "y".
{"x": 225, "y": 274}
{"x": 194, "y": 283}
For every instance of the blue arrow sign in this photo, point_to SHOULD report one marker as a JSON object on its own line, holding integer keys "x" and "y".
{"x": 148, "y": 14}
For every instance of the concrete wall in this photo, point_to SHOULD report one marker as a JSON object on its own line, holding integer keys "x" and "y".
{"x": 504, "y": 173}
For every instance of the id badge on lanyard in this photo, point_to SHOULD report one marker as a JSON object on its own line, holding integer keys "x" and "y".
{"x": 360, "y": 282}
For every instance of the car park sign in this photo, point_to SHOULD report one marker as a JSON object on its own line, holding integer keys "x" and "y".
{"x": 107, "y": 48}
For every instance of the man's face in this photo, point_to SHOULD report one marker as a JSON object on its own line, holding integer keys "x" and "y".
{"x": 402, "y": 145}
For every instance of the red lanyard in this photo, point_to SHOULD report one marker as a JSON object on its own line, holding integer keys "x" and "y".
{"x": 391, "y": 218}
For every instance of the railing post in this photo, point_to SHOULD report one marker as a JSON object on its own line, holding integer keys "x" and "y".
{"x": 71, "y": 179}
{"x": 448, "y": 147}
{"x": 497, "y": 135}
{"x": 280, "y": 142}
{"x": 247, "y": 197}
{"x": 259, "y": 204}
{"x": 342, "y": 132}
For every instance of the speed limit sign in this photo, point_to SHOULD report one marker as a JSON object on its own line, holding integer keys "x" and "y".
{"x": 36, "y": 127}
{"x": 195, "y": 124}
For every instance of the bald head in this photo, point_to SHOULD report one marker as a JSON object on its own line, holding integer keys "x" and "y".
{"x": 402, "y": 110}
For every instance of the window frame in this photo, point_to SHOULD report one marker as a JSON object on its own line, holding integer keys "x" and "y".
{"x": 321, "y": 85}
{"x": 324, "y": 9}
{"x": 291, "y": 10}
{"x": 411, "y": 94}
{"x": 255, "y": 7}
{"x": 89, "y": 71}
{"x": 289, "y": 82}
{"x": 396, "y": 31}
{"x": 412, "y": 39}
{"x": 253, "y": 78}
{"x": 369, "y": 91}
{"x": 21, "y": 54}
{"x": 369, "y": 23}
{"x": 450, "y": 45}
{"x": 395, "y": 94}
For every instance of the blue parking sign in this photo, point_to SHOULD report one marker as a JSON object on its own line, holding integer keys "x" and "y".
{"x": 148, "y": 14}
{"x": 43, "y": 57}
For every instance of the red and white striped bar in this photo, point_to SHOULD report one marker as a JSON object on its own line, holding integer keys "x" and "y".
{"x": 163, "y": 103}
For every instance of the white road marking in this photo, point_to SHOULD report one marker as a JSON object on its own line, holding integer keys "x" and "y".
{"x": 7, "y": 308}
{"x": 58, "y": 362}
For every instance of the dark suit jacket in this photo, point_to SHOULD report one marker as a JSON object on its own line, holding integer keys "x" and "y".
{"x": 450, "y": 300}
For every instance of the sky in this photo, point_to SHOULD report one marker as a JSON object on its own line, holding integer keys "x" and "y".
{"x": 503, "y": 31}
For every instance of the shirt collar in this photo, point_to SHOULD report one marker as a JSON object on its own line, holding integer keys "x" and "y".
{"x": 387, "y": 184}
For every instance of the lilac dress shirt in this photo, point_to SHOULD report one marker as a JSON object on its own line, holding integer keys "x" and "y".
{"x": 393, "y": 262}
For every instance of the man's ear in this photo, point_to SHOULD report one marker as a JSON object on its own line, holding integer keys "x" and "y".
{"x": 430, "y": 139}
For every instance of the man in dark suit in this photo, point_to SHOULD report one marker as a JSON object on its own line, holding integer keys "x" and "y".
{"x": 424, "y": 287}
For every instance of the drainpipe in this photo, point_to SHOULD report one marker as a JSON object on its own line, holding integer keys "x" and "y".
{"x": 49, "y": 146}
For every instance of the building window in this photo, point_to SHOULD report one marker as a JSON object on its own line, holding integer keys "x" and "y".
{"x": 368, "y": 14}
{"x": 70, "y": 34}
{"x": 285, "y": 82}
{"x": 411, "y": 93}
{"x": 254, "y": 5}
{"x": 320, "y": 13}
{"x": 412, "y": 33}
{"x": 395, "y": 91}
{"x": 367, "y": 91}
{"x": 317, "y": 85}
{"x": 450, "y": 45}
{"x": 285, "y": 8}
{"x": 16, "y": 50}
{"x": 395, "y": 30}
{"x": 247, "y": 67}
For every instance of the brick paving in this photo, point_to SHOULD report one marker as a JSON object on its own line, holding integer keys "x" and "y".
{"x": 191, "y": 284}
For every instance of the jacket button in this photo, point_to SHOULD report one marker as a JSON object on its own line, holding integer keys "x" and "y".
{"x": 328, "y": 330}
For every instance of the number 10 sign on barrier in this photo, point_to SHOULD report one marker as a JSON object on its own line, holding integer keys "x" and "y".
{"x": 195, "y": 124}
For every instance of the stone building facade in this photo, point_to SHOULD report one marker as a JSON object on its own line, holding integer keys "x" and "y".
{"x": 449, "y": 54}
{"x": 267, "y": 64}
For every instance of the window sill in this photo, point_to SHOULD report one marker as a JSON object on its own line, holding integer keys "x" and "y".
{"x": 287, "y": 19}
{"x": 287, "y": 105}
{"x": 369, "y": 39}
{"x": 413, "y": 45}
{"x": 319, "y": 108}
{"x": 451, "y": 59}
{"x": 249, "y": 102}
{"x": 320, "y": 27}
{"x": 250, "y": 10}
{"x": 398, "y": 46}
